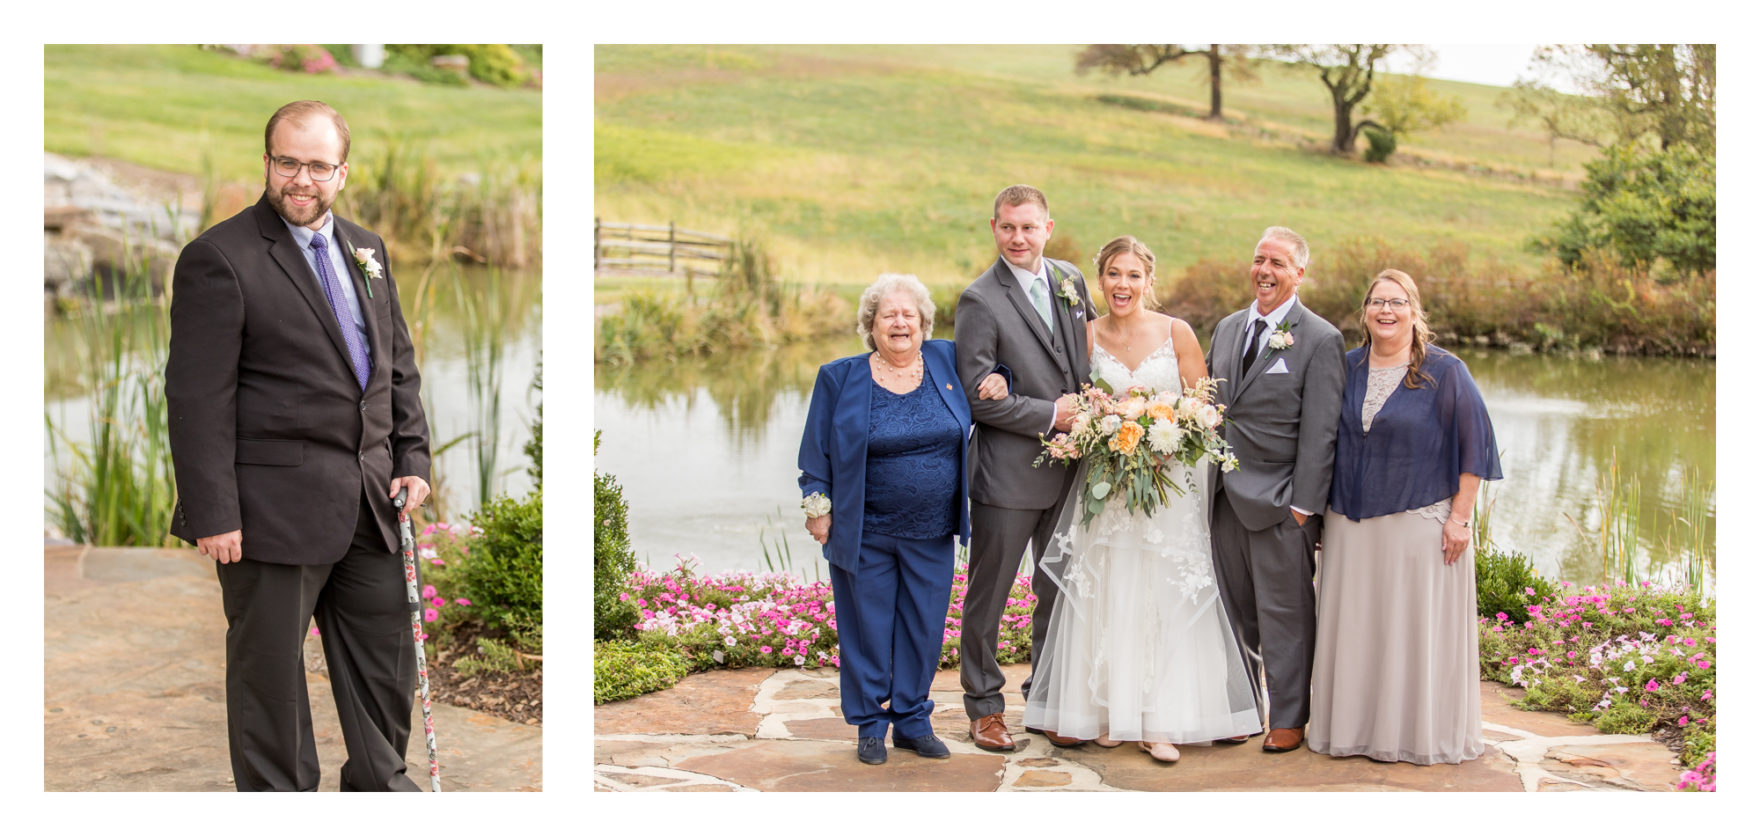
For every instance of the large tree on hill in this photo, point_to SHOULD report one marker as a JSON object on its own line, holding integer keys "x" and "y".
{"x": 1624, "y": 93}
{"x": 1348, "y": 71}
{"x": 1143, "y": 59}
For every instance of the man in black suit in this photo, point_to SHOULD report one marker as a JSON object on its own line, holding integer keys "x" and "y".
{"x": 295, "y": 417}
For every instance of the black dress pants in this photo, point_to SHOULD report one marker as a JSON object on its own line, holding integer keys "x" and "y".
{"x": 362, "y": 614}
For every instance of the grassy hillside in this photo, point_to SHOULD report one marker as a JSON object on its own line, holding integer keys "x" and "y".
{"x": 856, "y": 160}
{"x": 166, "y": 106}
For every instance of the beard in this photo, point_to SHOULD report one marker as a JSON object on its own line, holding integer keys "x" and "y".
{"x": 298, "y": 215}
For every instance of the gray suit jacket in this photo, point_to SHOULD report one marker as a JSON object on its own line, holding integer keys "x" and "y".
{"x": 996, "y": 325}
{"x": 1283, "y": 426}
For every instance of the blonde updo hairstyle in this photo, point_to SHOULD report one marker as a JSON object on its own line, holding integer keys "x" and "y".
{"x": 1422, "y": 336}
{"x": 886, "y": 285}
{"x": 1128, "y": 244}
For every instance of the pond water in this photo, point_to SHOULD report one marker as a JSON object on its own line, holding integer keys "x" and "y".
{"x": 440, "y": 325}
{"x": 705, "y": 451}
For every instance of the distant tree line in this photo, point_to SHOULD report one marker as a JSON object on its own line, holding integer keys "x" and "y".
{"x": 1652, "y": 196}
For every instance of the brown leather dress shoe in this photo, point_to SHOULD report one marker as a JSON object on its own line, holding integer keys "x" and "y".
{"x": 1283, "y": 740}
{"x": 991, "y": 734}
{"x": 1058, "y": 739}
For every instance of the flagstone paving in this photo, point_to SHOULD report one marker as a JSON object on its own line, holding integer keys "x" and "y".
{"x": 763, "y": 729}
{"x": 134, "y": 694}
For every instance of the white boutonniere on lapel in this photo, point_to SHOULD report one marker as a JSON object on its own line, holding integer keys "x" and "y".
{"x": 1071, "y": 297}
{"x": 1280, "y": 338}
{"x": 363, "y": 257}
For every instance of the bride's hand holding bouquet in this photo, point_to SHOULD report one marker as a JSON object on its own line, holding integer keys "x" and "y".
{"x": 1127, "y": 437}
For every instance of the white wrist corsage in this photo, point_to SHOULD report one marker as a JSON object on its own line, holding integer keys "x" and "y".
{"x": 816, "y": 504}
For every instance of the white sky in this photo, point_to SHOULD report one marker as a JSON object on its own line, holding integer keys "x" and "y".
{"x": 1498, "y": 64}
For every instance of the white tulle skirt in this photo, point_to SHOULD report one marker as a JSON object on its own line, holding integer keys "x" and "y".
{"x": 1139, "y": 646}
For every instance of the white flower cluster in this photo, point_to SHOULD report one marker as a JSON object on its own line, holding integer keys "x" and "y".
{"x": 816, "y": 504}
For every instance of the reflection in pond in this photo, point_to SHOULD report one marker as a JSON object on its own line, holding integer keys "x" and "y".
{"x": 706, "y": 452}
{"x": 438, "y": 318}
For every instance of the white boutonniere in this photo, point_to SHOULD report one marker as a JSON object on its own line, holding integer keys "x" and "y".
{"x": 1281, "y": 338}
{"x": 1068, "y": 291}
{"x": 369, "y": 265}
{"x": 816, "y": 504}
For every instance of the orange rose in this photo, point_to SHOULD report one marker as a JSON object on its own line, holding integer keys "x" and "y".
{"x": 1158, "y": 409}
{"x": 1126, "y": 440}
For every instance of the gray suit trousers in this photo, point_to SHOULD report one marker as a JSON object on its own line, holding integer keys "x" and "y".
{"x": 1267, "y": 585}
{"x": 999, "y": 539}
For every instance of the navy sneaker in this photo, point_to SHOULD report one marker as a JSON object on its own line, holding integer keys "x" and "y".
{"x": 871, "y": 750}
{"x": 927, "y": 746}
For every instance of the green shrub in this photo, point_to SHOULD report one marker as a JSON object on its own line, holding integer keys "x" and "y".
{"x": 1508, "y": 584}
{"x": 1643, "y": 206}
{"x": 492, "y": 656}
{"x": 623, "y": 669}
{"x": 613, "y": 559}
{"x": 504, "y": 575}
{"x": 496, "y": 64}
{"x": 1381, "y": 145}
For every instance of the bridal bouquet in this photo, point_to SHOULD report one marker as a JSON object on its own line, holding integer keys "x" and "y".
{"x": 1127, "y": 436}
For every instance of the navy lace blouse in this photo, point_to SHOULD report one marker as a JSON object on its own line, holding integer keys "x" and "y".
{"x": 913, "y": 464}
{"x": 1420, "y": 443}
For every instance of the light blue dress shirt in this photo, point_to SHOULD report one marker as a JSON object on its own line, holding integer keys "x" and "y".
{"x": 303, "y": 236}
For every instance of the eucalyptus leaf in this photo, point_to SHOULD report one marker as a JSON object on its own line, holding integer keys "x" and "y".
{"x": 1101, "y": 489}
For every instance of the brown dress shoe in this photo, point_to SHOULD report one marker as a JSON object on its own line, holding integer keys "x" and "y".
{"x": 1283, "y": 740}
{"x": 1058, "y": 739}
{"x": 991, "y": 734}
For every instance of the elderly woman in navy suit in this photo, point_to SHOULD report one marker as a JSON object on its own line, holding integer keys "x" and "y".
{"x": 883, "y": 462}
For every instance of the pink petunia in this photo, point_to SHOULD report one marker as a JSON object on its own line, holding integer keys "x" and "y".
{"x": 464, "y": 602}
{"x": 430, "y": 614}
{"x": 428, "y": 591}
{"x": 1651, "y": 686}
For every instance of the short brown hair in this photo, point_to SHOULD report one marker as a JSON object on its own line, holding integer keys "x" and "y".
{"x": 298, "y": 112}
{"x": 1018, "y": 195}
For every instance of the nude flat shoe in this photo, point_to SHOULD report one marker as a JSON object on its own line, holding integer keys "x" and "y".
{"x": 1107, "y": 742}
{"x": 1163, "y": 752}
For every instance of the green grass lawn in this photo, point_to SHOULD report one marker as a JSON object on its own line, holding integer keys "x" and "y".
{"x": 167, "y": 107}
{"x": 852, "y": 161}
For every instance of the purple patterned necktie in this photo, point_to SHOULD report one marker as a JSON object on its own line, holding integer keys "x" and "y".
{"x": 339, "y": 306}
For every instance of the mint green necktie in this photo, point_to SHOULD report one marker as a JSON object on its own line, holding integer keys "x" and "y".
{"x": 1041, "y": 299}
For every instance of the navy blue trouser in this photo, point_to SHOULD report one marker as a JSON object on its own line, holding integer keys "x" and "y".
{"x": 891, "y": 615}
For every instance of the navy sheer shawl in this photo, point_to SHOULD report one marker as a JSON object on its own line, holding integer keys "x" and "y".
{"x": 1418, "y": 445}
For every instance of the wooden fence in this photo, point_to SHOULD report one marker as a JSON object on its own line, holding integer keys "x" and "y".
{"x": 651, "y": 249}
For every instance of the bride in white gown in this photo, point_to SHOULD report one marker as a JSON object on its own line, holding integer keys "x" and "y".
{"x": 1139, "y": 647}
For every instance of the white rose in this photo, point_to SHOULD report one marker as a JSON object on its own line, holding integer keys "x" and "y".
{"x": 1110, "y": 424}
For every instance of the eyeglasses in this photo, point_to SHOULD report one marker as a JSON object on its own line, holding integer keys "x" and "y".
{"x": 289, "y": 168}
{"x": 1394, "y": 304}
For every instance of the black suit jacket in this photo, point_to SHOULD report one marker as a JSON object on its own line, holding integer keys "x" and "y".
{"x": 270, "y": 431}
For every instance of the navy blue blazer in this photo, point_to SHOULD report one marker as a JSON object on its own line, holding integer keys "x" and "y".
{"x": 834, "y": 444}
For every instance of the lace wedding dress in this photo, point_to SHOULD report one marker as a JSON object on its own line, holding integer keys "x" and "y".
{"x": 1139, "y": 647}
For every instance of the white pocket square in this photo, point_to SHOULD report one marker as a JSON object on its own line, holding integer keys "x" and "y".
{"x": 1278, "y": 367}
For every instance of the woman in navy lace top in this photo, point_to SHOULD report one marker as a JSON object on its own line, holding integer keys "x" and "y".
{"x": 883, "y": 471}
{"x": 1396, "y": 657}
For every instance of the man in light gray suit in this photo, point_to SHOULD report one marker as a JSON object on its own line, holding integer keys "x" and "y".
{"x": 1282, "y": 371}
{"x": 1028, "y": 313}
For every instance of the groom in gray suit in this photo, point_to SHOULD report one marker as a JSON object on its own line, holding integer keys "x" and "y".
{"x": 1028, "y": 313}
{"x": 1282, "y": 371}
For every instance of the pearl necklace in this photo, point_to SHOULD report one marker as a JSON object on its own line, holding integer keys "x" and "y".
{"x": 907, "y": 375}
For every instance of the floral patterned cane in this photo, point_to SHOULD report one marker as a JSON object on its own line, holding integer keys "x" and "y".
{"x": 415, "y": 625}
